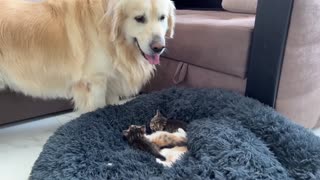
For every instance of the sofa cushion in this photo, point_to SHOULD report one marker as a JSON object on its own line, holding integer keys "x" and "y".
{"x": 176, "y": 73}
{"x": 240, "y": 6}
{"x": 216, "y": 40}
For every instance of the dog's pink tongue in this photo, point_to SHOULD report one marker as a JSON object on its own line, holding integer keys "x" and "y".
{"x": 154, "y": 59}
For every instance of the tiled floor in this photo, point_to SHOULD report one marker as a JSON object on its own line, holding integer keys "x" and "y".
{"x": 20, "y": 144}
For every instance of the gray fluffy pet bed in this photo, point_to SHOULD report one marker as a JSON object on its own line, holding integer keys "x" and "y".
{"x": 230, "y": 137}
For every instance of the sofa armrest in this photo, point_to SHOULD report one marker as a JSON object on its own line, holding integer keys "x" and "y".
{"x": 267, "y": 49}
{"x": 284, "y": 64}
{"x": 299, "y": 88}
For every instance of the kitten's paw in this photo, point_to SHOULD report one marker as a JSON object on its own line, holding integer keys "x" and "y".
{"x": 164, "y": 163}
{"x": 159, "y": 161}
{"x": 182, "y": 133}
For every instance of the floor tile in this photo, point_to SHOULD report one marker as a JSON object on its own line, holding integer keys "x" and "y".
{"x": 67, "y": 118}
{"x": 21, "y": 144}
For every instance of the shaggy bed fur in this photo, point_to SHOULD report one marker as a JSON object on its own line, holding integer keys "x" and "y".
{"x": 230, "y": 137}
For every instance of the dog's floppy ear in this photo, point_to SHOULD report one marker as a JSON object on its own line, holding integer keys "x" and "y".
{"x": 171, "y": 20}
{"x": 114, "y": 13}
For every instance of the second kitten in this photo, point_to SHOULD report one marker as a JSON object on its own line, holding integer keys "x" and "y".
{"x": 161, "y": 123}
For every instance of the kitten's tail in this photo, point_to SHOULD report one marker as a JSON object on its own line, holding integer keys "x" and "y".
{"x": 155, "y": 152}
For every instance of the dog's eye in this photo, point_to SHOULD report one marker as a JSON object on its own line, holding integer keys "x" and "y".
{"x": 140, "y": 19}
{"x": 161, "y": 18}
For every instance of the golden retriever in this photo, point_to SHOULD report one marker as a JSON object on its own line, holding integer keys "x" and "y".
{"x": 91, "y": 51}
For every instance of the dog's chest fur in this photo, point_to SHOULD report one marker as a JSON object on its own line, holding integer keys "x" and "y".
{"x": 124, "y": 82}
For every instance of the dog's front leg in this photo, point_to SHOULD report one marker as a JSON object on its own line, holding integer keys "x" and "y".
{"x": 2, "y": 84}
{"x": 112, "y": 99}
{"x": 89, "y": 94}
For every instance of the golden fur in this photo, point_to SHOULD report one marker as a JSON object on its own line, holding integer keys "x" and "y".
{"x": 78, "y": 49}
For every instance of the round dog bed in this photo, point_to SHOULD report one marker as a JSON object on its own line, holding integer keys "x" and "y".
{"x": 230, "y": 137}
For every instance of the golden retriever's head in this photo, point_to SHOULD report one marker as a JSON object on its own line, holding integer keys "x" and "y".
{"x": 143, "y": 24}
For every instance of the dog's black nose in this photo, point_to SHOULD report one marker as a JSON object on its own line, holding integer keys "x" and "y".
{"x": 157, "y": 47}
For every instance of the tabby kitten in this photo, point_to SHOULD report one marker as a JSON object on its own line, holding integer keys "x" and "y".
{"x": 135, "y": 136}
{"x": 161, "y": 123}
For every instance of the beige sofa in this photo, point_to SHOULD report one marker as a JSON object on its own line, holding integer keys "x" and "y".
{"x": 299, "y": 90}
{"x": 215, "y": 49}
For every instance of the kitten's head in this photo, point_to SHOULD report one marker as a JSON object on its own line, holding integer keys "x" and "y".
{"x": 158, "y": 122}
{"x": 134, "y": 132}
